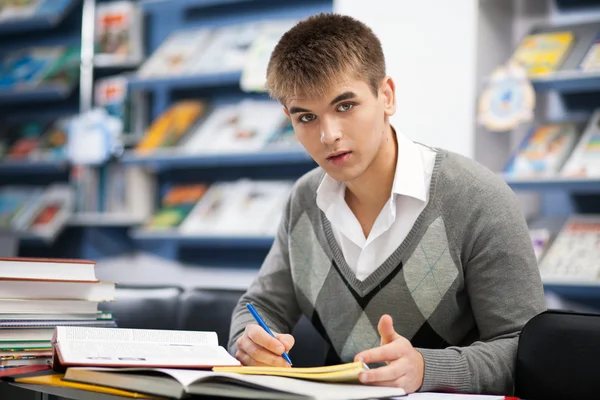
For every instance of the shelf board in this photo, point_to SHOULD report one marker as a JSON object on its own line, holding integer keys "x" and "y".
{"x": 33, "y": 167}
{"x": 44, "y": 19}
{"x": 154, "y": 5}
{"x": 176, "y": 160}
{"x": 104, "y": 219}
{"x": 187, "y": 82}
{"x": 43, "y": 93}
{"x": 569, "y": 81}
{"x": 176, "y": 238}
{"x": 584, "y": 185}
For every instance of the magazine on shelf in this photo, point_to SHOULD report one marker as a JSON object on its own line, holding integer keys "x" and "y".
{"x": 226, "y": 50}
{"x": 242, "y": 127}
{"x": 584, "y": 161}
{"x": 211, "y": 209}
{"x": 254, "y": 70}
{"x": 15, "y": 205}
{"x": 591, "y": 60}
{"x": 171, "y": 126}
{"x": 118, "y": 33}
{"x": 543, "y": 53}
{"x": 52, "y": 212}
{"x": 543, "y": 151}
{"x": 26, "y": 68}
{"x": 257, "y": 208}
{"x": 176, "y": 205}
{"x": 573, "y": 256}
{"x": 174, "y": 56}
{"x": 18, "y": 10}
{"x": 238, "y": 208}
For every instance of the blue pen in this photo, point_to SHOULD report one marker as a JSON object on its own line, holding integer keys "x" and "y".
{"x": 262, "y": 323}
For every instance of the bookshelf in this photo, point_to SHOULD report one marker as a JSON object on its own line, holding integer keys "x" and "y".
{"x": 568, "y": 94}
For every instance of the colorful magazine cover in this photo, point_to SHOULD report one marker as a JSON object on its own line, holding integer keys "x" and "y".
{"x": 543, "y": 53}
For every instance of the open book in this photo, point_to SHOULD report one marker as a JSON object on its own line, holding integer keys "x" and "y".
{"x": 79, "y": 346}
{"x": 177, "y": 383}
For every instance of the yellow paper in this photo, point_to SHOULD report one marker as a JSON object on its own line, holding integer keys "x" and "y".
{"x": 56, "y": 380}
{"x": 334, "y": 373}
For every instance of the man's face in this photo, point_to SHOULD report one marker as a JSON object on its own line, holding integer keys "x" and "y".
{"x": 344, "y": 130}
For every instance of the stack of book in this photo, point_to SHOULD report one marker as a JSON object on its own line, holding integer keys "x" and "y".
{"x": 37, "y": 295}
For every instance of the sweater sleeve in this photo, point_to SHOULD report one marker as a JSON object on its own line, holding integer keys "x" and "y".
{"x": 271, "y": 292}
{"x": 504, "y": 288}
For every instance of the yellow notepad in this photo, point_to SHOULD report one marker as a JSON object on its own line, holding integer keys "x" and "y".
{"x": 56, "y": 380}
{"x": 346, "y": 373}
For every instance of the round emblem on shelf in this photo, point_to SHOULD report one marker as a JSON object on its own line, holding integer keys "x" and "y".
{"x": 508, "y": 99}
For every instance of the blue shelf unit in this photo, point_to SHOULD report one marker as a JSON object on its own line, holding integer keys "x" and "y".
{"x": 162, "y": 18}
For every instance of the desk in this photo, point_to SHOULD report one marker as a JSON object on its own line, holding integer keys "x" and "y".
{"x": 18, "y": 391}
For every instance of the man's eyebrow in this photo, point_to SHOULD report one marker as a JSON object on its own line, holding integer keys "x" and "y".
{"x": 344, "y": 96}
{"x": 294, "y": 110}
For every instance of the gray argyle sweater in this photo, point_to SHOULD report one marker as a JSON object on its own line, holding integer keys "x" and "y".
{"x": 460, "y": 287}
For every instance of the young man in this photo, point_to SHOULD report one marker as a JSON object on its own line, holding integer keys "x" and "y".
{"x": 399, "y": 254}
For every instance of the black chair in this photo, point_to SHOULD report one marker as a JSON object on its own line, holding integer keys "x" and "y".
{"x": 145, "y": 307}
{"x": 557, "y": 357}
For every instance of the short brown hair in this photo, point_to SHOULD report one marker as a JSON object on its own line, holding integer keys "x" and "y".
{"x": 318, "y": 50}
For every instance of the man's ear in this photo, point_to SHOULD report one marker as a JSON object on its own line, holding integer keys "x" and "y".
{"x": 285, "y": 110}
{"x": 388, "y": 94}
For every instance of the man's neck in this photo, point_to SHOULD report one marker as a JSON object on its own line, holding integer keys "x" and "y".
{"x": 374, "y": 187}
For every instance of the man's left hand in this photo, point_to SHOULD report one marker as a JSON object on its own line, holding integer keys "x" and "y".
{"x": 405, "y": 365}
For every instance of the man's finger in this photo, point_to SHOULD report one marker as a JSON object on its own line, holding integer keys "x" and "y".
{"x": 245, "y": 359}
{"x": 386, "y": 329}
{"x": 388, "y": 373}
{"x": 287, "y": 340}
{"x": 262, "y": 355}
{"x": 259, "y": 336}
{"x": 386, "y": 353}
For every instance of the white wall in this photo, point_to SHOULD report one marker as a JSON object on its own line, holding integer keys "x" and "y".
{"x": 430, "y": 48}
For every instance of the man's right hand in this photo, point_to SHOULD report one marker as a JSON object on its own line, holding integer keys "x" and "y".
{"x": 257, "y": 347}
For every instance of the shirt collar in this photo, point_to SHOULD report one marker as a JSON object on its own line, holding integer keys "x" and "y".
{"x": 409, "y": 176}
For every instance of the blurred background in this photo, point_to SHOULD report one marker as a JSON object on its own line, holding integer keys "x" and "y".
{"x": 137, "y": 133}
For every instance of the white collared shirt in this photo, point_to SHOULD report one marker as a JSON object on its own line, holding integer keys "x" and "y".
{"x": 410, "y": 193}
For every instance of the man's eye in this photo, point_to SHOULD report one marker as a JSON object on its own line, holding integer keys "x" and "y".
{"x": 345, "y": 107}
{"x": 307, "y": 117}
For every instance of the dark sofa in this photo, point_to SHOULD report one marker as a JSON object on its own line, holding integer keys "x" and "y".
{"x": 172, "y": 307}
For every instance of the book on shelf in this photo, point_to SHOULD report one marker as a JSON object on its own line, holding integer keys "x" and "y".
{"x": 85, "y": 346}
{"x": 543, "y": 53}
{"x": 584, "y": 161}
{"x": 22, "y": 10}
{"x": 175, "y": 54}
{"x": 572, "y": 258}
{"x": 225, "y": 50}
{"x": 242, "y": 127}
{"x": 171, "y": 126}
{"x": 591, "y": 60}
{"x": 177, "y": 383}
{"x": 254, "y": 70}
{"x": 50, "y": 214}
{"x": 238, "y": 208}
{"x": 176, "y": 205}
{"x": 118, "y": 33}
{"x": 543, "y": 151}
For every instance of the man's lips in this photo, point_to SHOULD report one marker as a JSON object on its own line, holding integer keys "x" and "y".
{"x": 337, "y": 154}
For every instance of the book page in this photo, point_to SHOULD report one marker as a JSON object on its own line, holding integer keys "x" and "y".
{"x": 316, "y": 390}
{"x": 84, "y": 352}
{"x": 65, "y": 334}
